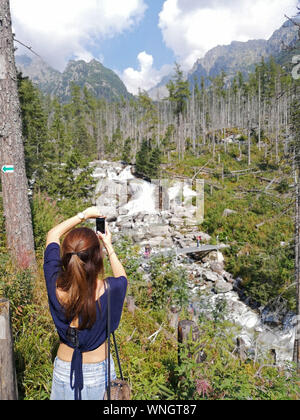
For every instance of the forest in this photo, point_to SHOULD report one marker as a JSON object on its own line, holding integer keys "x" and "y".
{"x": 231, "y": 127}
{"x": 242, "y": 136}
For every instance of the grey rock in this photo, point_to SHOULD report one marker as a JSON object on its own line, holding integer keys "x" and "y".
{"x": 127, "y": 225}
{"x": 210, "y": 276}
{"x": 159, "y": 230}
{"x": 217, "y": 267}
{"x": 108, "y": 211}
{"x": 138, "y": 236}
{"x": 222, "y": 286}
{"x": 228, "y": 277}
{"x": 176, "y": 221}
{"x": 160, "y": 241}
{"x": 123, "y": 211}
{"x": 228, "y": 212}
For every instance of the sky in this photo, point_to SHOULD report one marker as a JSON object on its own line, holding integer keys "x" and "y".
{"x": 141, "y": 39}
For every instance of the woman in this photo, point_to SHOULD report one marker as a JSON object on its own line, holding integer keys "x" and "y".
{"x": 77, "y": 294}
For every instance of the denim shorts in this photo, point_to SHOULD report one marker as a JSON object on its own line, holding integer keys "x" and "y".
{"x": 94, "y": 380}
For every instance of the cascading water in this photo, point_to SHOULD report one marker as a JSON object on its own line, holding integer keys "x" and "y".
{"x": 259, "y": 336}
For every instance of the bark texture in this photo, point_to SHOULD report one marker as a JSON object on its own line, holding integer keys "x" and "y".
{"x": 16, "y": 205}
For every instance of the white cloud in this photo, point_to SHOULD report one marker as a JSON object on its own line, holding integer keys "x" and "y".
{"x": 146, "y": 77}
{"x": 192, "y": 27}
{"x": 58, "y": 29}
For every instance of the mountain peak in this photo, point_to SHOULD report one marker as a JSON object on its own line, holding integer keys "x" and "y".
{"x": 241, "y": 56}
{"x": 99, "y": 80}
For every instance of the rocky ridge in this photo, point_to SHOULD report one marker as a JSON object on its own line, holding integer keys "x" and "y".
{"x": 97, "y": 79}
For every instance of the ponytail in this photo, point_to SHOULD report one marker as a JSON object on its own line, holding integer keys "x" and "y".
{"x": 79, "y": 275}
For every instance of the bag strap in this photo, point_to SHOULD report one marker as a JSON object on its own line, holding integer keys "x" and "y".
{"x": 108, "y": 342}
{"x": 108, "y": 338}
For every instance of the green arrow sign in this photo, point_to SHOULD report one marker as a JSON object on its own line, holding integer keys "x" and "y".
{"x": 8, "y": 169}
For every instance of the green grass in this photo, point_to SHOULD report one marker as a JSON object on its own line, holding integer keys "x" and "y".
{"x": 152, "y": 366}
{"x": 256, "y": 253}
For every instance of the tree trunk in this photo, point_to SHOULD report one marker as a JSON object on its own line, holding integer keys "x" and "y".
{"x": 17, "y": 213}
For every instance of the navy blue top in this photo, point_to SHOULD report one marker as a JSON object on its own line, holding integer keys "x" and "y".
{"x": 88, "y": 339}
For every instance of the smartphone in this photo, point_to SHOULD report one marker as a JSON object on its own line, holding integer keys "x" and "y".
{"x": 100, "y": 225}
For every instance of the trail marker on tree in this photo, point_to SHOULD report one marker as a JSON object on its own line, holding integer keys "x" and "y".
{"x": 8, "y": 169}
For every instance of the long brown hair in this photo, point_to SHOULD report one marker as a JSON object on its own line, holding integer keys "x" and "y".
{"x": 82, "y": 262}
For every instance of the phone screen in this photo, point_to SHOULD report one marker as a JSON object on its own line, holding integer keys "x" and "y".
{"x": 100, "y": 225}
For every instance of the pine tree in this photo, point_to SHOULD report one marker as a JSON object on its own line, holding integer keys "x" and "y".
{"x": 71, "y": 184}
{"x": 142, "y": 158}
{"x": 58, "y": 136}
{"x": 77, "y": 117}
{"x": 34, "y": 124}
{"x": 179, "y": 91}
{"x": 127, "y": 151}
{"x": 154, "y": 163}
{"x": 148, "y": 160}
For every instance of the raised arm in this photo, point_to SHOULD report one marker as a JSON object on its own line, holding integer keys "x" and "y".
{"x": 58, "y": 231}
{"x": 116, "y": 265}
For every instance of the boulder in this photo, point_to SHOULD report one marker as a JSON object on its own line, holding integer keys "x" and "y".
{"x": 111, "y": 219}
{"x": 138, "y": 236}
{"x": 110, "y": 212}
{"x": 177, "y": 235}
{"x": 220, "y": 258}
{"x": 222, "y": 286}
{"x": 122, "y": 211}
{"x": 217, "y": 267}
{"x": 210, "y": 276}
{"x": 159, "y": 241}
{"x": 138, "y": 217}
{"x": 180, "y": 243}
{"x": 159, "y": 230}
{"x": 124, "y": 220}
{"x": 214, "y": 256}
{"x": 166, "y": 214}
{"x": 176, "y": 221}
{"x": 228, "y": 212}
{"x": 228, "y": 277}
{"x": 125, "y": 226}
{"x": 151, "y": 219}
{"x": 190, "y": 221}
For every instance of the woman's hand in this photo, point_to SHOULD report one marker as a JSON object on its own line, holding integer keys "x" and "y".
{"x": 106, "y": 239}
{"x": 92, "y": 213}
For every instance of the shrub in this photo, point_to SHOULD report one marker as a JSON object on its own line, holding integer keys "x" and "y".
{"x": 222, "y": 375}
{"x": 168, "y": 283}
{"x": 17, "y": 286}
{"x": 45, "y": 216}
